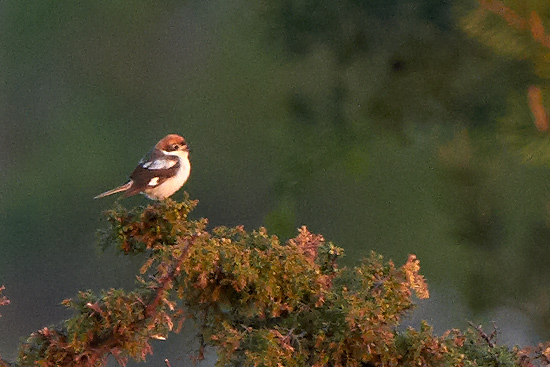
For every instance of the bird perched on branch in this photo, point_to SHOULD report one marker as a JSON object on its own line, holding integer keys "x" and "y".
{"x": 161, "y": 173}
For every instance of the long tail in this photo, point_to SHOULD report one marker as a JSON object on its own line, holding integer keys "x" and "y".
{"x": 124, "y": 187}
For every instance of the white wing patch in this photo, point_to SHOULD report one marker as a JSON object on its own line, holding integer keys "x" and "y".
{"x": 154, "y": 181}
{"x": 159, "y": 164}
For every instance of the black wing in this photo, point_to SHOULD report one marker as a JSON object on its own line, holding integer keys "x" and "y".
{"x": 153, "y": 170}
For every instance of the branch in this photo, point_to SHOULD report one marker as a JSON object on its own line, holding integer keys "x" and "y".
{"x": 534, "y": 94}
{"x": 537, "y": 30}
{"x": 168, "y": 279}
{"x": 109, "y": 338}
{"x": 151, "y": 309}
{"x": 504, "y": 12}
{"x": 3, "y": 299}
{"x": 534, "y": 24}
{"x": 488, "y": 338}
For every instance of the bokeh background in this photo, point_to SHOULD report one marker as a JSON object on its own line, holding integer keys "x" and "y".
{"x": 399, "y": 126}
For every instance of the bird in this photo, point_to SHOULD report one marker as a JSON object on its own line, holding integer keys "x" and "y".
{"x": 160, "y": 173}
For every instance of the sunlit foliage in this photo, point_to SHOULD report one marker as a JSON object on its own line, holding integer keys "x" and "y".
{"x": 260, "y": 302}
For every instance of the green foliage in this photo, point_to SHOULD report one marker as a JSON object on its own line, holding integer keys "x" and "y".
{"x": 507, "y": 28}
{"x": 518, "y": 131}
{"x": 517, "y": 30}
{"x": 260, "y": 302}
{"x": 454, "y": 348}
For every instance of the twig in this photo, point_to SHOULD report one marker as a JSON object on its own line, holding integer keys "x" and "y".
{"x": 167, "y": 362}
{"x": 483, "y": 335}
{"x": 112, "y": 342}
{"x": 534, "y": 95}
{"x": 533, "y": 24}
{"x": 167, "y": 280}
{"x": 3, "y": 299}
{"x": 202, "y": 343}
{"x": 505, "y": 12}
{"x": 536, "y": 27}
{"x": 494, "y": 333}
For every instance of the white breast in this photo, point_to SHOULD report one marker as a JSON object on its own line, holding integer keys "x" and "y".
{"x": 173, "y": 184}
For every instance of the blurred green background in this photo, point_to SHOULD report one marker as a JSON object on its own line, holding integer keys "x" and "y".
{"x": 400, "y": 126}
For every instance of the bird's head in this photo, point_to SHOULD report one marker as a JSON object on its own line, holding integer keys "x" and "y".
{"x": 172, "y": 143}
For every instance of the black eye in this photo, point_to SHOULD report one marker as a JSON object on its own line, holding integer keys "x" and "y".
{"x": 175, "y": 146}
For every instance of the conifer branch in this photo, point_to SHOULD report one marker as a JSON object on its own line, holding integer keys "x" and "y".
{"x": 534, "y": 24}
{"x": 536, "y": 27}
{"x": 167, "y": 280}
{"x": 258, "y": 302}
{"x": 489, "y": 339}
{"x": 505, "y": 12}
